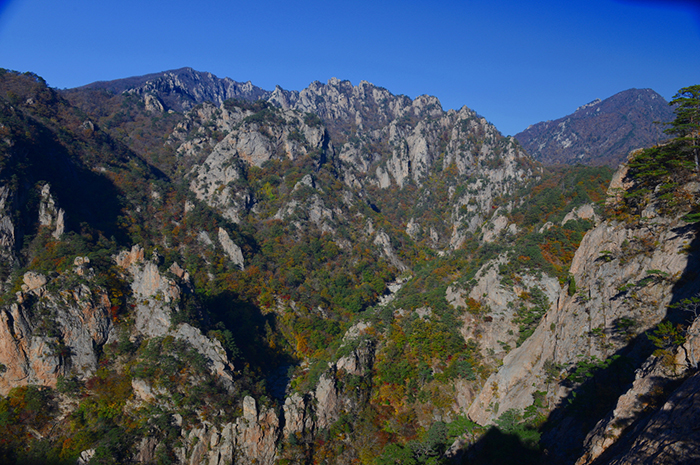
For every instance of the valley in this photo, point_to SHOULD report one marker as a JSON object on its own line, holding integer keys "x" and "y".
{"x": 195, "y": 270}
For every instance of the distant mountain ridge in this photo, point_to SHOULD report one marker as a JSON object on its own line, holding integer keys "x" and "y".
{"x": 182, "y": 89}
{"x": 602, "y": 132}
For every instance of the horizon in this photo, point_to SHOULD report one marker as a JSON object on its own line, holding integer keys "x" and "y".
{"x": 514, "y": 64}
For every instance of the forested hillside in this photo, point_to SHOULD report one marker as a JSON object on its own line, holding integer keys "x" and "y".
{"x": 196, "y": 270}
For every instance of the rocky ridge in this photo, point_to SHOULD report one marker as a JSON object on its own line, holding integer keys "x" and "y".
{"x": 601, "y": 132}
{"x": 371, "y": 138}
{"x": 181, "y": 89}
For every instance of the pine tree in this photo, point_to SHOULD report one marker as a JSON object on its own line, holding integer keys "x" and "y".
{"x": 686, "y": 126}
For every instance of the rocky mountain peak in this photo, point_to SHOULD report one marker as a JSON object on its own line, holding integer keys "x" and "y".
{"x": 182, "y": 89}
{"x": 601, "y": 132}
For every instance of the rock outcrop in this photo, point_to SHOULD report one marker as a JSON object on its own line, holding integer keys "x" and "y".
{"x": 252, "y": 140}
{"x": 621, "y": 272}
{"x": 639, "y": 429}
{"x": 232, "y": 250}
{"x": 45, "y": 334}
{"x": 156, "y": 298}
{"x": 493, "y": 324}
{"x": 670, "y": 436}
{"x": 7, "y": 228}
{"x": 273, "y": 225}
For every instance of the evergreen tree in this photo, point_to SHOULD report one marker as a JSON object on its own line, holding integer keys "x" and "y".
{"x": 686, "y": 126}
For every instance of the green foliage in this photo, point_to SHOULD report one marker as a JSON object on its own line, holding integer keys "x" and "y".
{"x": 534, "y": 304}
{"x": 659, "y": 171}
{"x": 312, "y": 119}
{"x": 692, "y": 218}
{"x": 571, "y": 288}
{"x": 667, "y": 335}
{"x": 429, "y": 448}
{"x": 558, "y": 192}
{"x": 512, "y": 440}
{"x": 396, "y": 454}
{"x": 268, "y": 114}
{"x": 303, "y": 285}
{"x": 69, "y": 385}
{"x": 625, "y": 326}
{"x": 25, "y": 411}
{"x": 686, "y": 125}
{"x": 587, "y": 367}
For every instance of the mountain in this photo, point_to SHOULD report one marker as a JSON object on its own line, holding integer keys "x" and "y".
{"x": 181, "y": 89}
{"x": 334, "y": 274}
{"x": 601, "y": 132}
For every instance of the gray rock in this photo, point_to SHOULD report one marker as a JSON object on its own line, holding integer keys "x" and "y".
{"x": 234, "y": 253}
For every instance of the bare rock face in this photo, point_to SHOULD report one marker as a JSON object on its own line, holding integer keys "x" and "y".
{"x": 398, "y": 142}
{"x": 584, "y": 212}
{"x": 258, "y": 433}
{"x": 494, "y": 326}
{"x": 411, "y": 134}
{"x": 156, "y": 298}
{"x": 153, "y": 103}
{"x": 382, "y": 240}
{"x": 251, "y": 141}
{"x": 328, "y": 401}
{"x": 298, "y": 416}
{"x": 252, "y": 439}
{"x": 235, "y": 254}
{"x": 497, "y": 226}
{"x": 308, "y": 204}
{"x": 126, "y": 259}
{"x": 653, "y": 378}
{"x": 44, "y": 335}
{"x": 33, "y": 282}
{"x": 620, "y": 272}
{"x": 7, "y": 228}
{"x": 671, "y": 435}
{"x": 49, "y": 214}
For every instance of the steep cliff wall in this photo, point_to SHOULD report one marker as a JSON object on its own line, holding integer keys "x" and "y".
{"x": 626, "y": 278}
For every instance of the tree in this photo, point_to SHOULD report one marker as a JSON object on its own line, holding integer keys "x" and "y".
{"x": 686, "y": 126}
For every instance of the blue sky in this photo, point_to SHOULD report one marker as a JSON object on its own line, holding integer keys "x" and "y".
{"x": 514, "y": 62}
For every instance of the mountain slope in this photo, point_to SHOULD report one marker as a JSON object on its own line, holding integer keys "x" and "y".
{"x": 334, "y": 274}
{"x": 601, "y": 132}
{"x": 181, "y": 89}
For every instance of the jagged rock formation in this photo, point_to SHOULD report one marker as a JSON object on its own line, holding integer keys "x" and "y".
{"x": 611, "y": 269}
{"x": 249, "y": 141}
{"x": 181, "y": 89}
{"x": 7, "y": 229}
{"x": 497, "y": 333}
{"x": 668, "y": 437}
{"x": 602, "y": 132}
{"x": 370, "y": 137}
{"x": 44, "y": 335}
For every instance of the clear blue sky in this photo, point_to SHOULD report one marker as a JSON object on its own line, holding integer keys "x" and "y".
{"x": 514, "y": 62}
